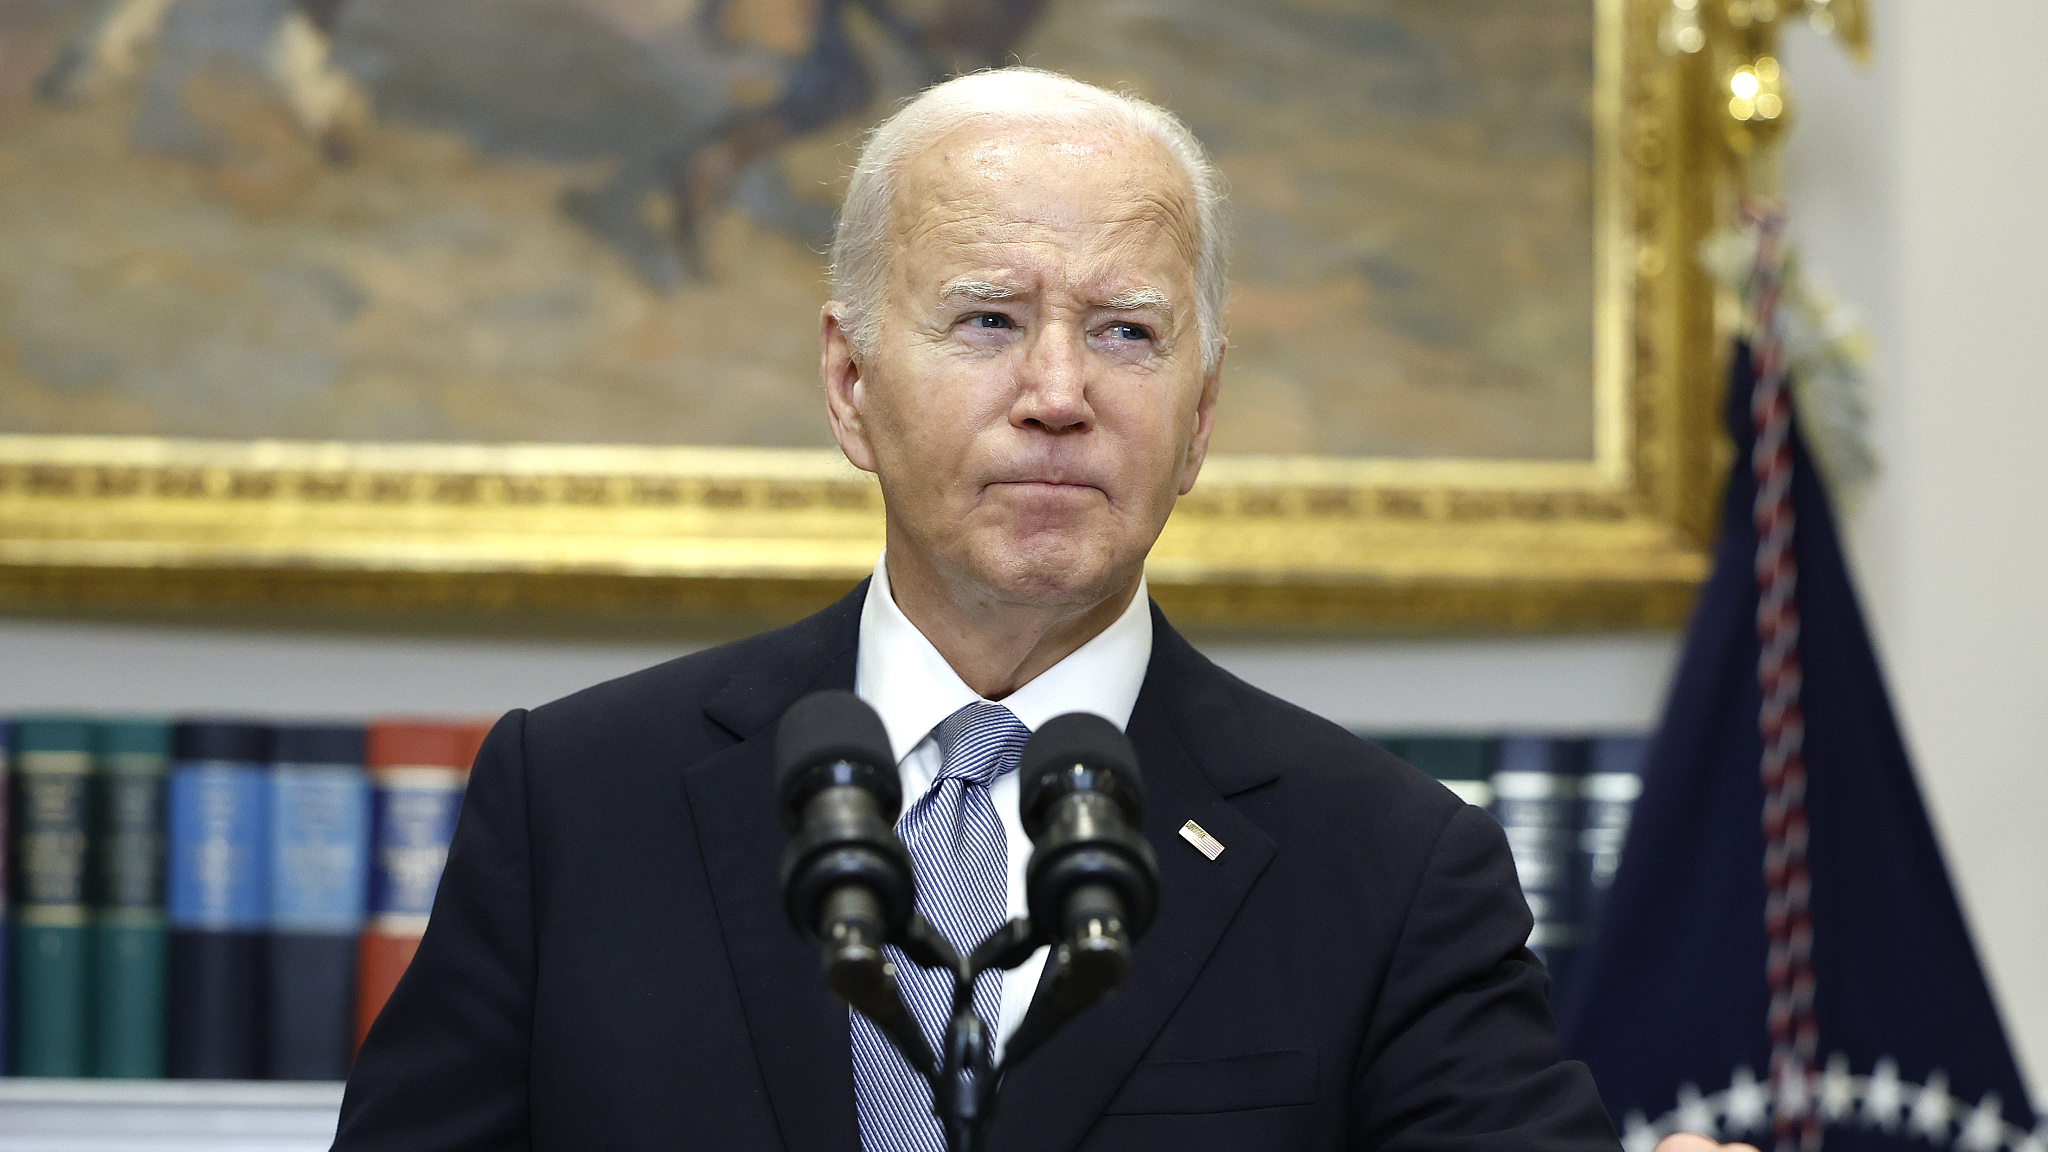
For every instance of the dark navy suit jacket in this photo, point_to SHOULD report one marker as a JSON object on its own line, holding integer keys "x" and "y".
{"x": 608, "y": 965}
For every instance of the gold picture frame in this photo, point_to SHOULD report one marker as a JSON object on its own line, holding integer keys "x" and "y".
{"x": 1620, "y": 541}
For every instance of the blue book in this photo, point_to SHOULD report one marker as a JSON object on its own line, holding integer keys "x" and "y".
{"x": 219, "y": 899}
{"x": 1535, "y": 795}
{"x": 319, "y": 885}
{"x": 1607, "y": 797}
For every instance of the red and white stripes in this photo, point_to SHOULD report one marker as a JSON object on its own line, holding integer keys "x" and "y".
{"x": 1795, "y": 1121}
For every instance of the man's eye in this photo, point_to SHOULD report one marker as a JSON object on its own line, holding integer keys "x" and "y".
{"x": 1130, "y": 331}
{"x": 989, "y": 320}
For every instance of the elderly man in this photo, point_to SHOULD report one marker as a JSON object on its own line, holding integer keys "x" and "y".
{"x": 1025, "y": 347}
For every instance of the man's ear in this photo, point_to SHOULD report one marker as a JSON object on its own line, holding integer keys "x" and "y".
{"x": 844, "y": 384}
{"x": 1205, "y": 423}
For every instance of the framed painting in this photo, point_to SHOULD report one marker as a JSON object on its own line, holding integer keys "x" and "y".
{"x": 484, "y": 304}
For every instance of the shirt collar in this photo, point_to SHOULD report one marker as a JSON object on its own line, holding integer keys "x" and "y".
{"x": 900, "y": 673}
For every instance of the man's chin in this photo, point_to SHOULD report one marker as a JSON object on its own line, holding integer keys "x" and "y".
{"x": 1054, "y": 572}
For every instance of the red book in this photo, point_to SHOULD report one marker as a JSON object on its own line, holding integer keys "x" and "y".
{"x": 417, "y": 772}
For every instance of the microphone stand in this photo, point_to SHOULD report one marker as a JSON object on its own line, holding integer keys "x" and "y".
{"x": 964, "y": 1077}
{"x": 848, "y": 883}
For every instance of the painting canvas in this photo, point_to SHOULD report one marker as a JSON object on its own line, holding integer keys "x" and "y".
{"x": 602, "y": 221}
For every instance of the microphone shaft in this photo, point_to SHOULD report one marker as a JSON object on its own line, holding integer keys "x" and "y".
{"x": 1097, "y": 940}
{"x": 861, "y": 973}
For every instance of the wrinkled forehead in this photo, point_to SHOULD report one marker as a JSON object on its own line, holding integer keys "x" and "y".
{"x": 1119, "y": 193}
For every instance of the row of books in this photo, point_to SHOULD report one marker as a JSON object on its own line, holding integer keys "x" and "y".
{"x": 229, "y": 900}
{"x": 1564, "y": 802}
{"x": 216, "y": 900}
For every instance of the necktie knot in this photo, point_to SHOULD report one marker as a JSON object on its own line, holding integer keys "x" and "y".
{"x": 980, "y": 742}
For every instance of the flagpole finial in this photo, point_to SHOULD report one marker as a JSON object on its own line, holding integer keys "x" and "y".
{"x": 1737, "y": 41}
{"x": 1729, "y": 54}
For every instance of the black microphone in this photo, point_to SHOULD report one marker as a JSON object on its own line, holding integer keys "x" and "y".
{"x": 1092, "y": 882}
{"x": 845, "y": 877}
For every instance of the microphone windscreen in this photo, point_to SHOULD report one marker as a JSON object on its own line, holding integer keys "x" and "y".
{"x": 830, "y": 726}
{"x": 1075, "y": 738}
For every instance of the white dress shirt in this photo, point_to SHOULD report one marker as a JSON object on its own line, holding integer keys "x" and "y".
{"x": 904, "y": 678}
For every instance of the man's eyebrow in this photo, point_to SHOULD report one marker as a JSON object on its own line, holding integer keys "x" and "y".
{"x": 1131, "y": 299}
{"x": 976, "y": 290}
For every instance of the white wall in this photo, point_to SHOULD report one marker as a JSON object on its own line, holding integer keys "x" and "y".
{"x": 1918, "y": 187}
{"x": 1922, "y": 188}
{"x": 1576, "y": 683}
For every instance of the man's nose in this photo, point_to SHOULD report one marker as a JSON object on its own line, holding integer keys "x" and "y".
{"x": 1052, "y": 385}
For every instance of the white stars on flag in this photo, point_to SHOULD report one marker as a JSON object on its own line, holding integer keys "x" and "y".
{"x": 1985, "y": 1129}
{"x": 1883, "y": 1100}
{"x": 1749, "y": 1103}
{"x": 1883, "y": 1097}
{"x": 1933, "y": 1107}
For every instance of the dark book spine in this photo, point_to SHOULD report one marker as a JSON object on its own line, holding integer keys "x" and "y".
{"x": 1535, "y": 790}
{"x": 219, "y": 904}
{"x": 52, "y": 972}
{"x": 130, "y": 950}
{"x": 417, "y": 774}
{"x": 320, "y": 821}
{"x": 415, "y": 810}
{"x": 1607, "y": 797}
{"x": 313, "y": 991}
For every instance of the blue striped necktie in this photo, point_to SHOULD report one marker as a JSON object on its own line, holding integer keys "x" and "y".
{"x": 962, "y": 859}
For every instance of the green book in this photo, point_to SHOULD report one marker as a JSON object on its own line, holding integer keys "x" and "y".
{"x": 52, "y": 970}
{"x": 127, "y": 888}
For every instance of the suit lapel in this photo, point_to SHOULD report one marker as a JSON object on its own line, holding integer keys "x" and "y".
{"x": 798, "y": 1028}
{"x": 1193, "y": 759}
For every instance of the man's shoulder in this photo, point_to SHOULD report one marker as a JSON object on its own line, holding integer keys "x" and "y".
{"x": 751, "y": 676}
{"x": 1319, "y": 758}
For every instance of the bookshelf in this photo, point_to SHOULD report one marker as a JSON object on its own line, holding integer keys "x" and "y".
{"x": 39, "y": 1115}
{"x": 333, "y": 812}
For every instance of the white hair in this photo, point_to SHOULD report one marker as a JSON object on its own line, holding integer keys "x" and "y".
{"x": 1023, "y": 96}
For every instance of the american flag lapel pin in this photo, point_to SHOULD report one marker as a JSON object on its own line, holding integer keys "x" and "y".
{"x": 1199, "y": 836}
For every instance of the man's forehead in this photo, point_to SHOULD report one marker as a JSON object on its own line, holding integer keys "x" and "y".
{"x": 992, "y": 146}
{"x": 1002, "y": 204}
{"x": 1041, "y": 175}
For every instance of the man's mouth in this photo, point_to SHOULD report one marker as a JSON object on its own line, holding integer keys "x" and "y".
{"x": 1046, "y": 485}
